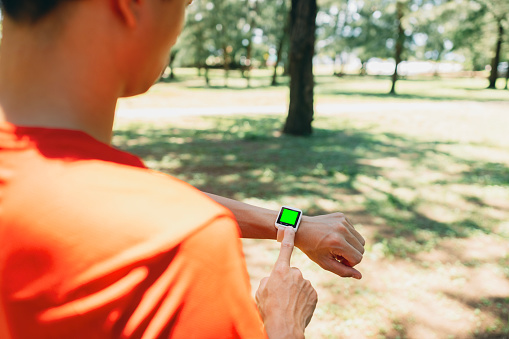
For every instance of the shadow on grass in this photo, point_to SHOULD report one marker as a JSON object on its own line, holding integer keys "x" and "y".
{"x": 497, "y": 307}
{"x": 248, "y": 158}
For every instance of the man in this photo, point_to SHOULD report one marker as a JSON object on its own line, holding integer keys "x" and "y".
{"x": 93, "y": 244}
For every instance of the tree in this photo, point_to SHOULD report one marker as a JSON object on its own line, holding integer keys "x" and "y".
{"x": 498, "y": 10}
{"x": 385, "y": 27}
{"x": 370, "y": 34}
{"x": 434, "y": 29}
{"x": 333, "y": 22}
{"x": 215, "y": 35}
{"x": 471, "y": 37}
{"x": 507, "y": 75}
{"x": 496, "y": 58}
{"x": 278, "y": 29}
{"x": 197, "y": 39}
{"x": 400, "y": 40}
{"x": 484, "y": 26}
{"x": 302, "y": 46}
{"x": 252, "y": 16}
{"x": 279, "y": 50}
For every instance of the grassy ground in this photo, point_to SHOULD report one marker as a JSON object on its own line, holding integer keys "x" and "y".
{"x": 189, "y": 90}
{"x": 429, "y": 190}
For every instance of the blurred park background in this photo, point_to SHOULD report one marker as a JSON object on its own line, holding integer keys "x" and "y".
{"x": 416, "y": 155}
{"x": 424, "y": 176}
{"x": 395, "y": 112}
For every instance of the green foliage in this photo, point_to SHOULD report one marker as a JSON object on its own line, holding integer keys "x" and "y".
{"x": 334, "y": 22}
{"x": 214, "y": 27}
{"x": 474, "y": 34}
{"x": 248, "y": 33}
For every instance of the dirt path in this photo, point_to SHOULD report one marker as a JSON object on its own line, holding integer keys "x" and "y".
{"x": 463, "y": 107}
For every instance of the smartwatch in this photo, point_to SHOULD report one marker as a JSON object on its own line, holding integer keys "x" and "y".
{"x": 289, "y": 216}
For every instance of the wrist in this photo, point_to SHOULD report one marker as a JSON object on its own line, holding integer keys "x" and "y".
{"x": 305, "y": 226}
{"x": 282, "y": 329}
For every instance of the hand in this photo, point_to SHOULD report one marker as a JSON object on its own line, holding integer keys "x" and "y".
{"x": 286, "y": 300}
{"x": 332, "y": 242}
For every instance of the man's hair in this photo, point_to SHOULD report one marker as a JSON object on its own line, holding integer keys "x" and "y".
{"x": 29, "y": 11}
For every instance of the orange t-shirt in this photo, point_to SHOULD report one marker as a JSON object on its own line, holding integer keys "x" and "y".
{"x": 94, "y": 245}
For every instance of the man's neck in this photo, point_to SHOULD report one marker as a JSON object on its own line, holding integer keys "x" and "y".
{"x": 47, "y": 83}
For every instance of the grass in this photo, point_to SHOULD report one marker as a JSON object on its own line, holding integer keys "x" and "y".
{"x": 428, "y": 188}
{"x": 189, "y": 90}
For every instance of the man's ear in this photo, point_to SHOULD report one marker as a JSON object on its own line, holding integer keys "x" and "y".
{"x": 129, "y": 11}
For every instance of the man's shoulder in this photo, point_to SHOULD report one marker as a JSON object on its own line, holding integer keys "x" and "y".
{"x": 104, "y": 205}
{"x": 140, "y": 194}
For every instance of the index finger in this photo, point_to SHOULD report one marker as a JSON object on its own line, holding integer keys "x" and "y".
{"x": 287, "y": 245}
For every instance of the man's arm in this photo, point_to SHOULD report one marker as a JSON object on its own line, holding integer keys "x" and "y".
{"x": 329, "y": 240}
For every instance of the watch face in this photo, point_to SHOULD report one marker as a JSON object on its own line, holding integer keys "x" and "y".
{"x": 288, "y": 217}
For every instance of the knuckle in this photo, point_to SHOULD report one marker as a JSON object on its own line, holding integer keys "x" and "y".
{"x": 357, "y": 259}
{"x": 286, "y": 244}
{"x": 342, "y": 229}
{"x": 353, "y": 261}
{"x": 280, "y": 269}
{"x": 297, "y": 273}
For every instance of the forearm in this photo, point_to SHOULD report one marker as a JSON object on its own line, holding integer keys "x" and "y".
{"x": 255, "y": 222}
{"x": 329, "y": 240}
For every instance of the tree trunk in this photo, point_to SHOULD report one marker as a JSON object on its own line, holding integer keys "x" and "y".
{"x": 339, "y": 72}
{"x": 247, "y": 70}
{"x": 226, "y": 63}
{"x": 278, "y": 57}
{"x": 173, "y": 55}
{"x": 342, "y": 68}
{"x": 438, "y": 60}
{"x": 253, "y": 13}
{"x": 436, "y": 67}
{"x": 280, "y": 50}
{"x": 496, "y": 59}
{"x": 302, "y": 47}
{"x": 507, "y": 76}
{"x": 337, "y": 54}
{"x": 400, "y": 40}
{"x": 207, "y": 79}
{"x": 363, "y": 70}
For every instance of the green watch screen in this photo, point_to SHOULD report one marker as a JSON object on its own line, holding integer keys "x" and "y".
{"x": 288, "y": 217}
